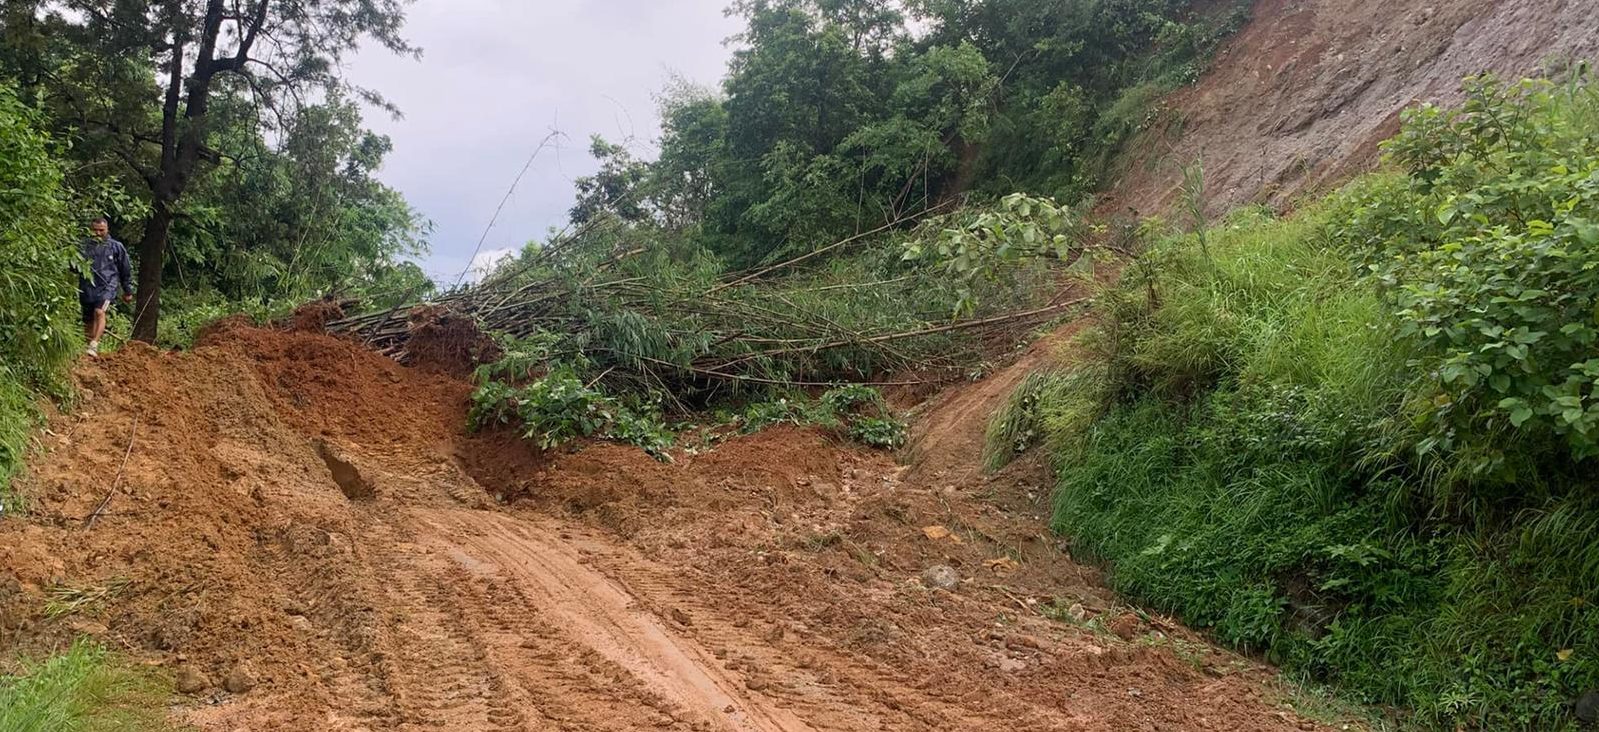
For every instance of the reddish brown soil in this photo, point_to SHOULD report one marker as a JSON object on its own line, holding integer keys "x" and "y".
{"x": 313, "y": 317}
{"x": 1299, "y": 100}
{"x": 774, "y": 582}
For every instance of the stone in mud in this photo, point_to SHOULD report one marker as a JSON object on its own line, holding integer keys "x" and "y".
{"x": 1125, "y": 626}
{"x": 941, "y": 576}
{"x": 190, "y": 681}
{"x": 1587, "y": 707}
{"x": 240, "y": 680}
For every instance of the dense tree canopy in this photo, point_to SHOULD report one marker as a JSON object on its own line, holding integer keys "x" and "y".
{"x": 837, "y": 116}
{"x": 194, "y": 107}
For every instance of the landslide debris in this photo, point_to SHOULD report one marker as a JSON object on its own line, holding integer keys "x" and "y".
{"x": 771, "y": 583}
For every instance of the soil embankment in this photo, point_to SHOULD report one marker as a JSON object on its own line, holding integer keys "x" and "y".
{"x": 781, "y": 581}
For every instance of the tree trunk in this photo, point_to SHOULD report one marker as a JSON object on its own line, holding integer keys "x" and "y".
{"x": 152, "y": 254}
{"x": 180, "y": 151}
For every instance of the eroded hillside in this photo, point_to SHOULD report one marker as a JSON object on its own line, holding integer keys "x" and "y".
{"x": 1300, "y": 99}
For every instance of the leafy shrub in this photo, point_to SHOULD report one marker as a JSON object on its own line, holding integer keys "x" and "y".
{"x": 37, "y": 309}
{"x": 855, "y": 410}
{"x": 785, "y": 410}
{"x": 1488, "y": 252}
{"x": 878, "y": 432}
{"x": 559, "y": 407}
{"x": 985, "y": 246}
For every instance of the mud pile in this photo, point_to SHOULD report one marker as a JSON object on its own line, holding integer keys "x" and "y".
{"x": 226, "y": 529}
{"x": 304, "y": 537}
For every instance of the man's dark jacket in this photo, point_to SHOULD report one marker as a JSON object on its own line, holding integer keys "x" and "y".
{"x": 104, "y": 270}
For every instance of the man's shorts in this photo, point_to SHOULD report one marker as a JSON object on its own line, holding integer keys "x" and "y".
{"x": 92, "y": 306}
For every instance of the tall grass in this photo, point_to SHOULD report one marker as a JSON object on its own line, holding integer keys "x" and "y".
{"x": 82, "y": 690}
{"x": 1238, "y": 445}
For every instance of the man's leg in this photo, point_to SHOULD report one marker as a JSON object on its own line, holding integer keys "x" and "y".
{"x": 97, "y": 327}
{"x": 86, "y": 310}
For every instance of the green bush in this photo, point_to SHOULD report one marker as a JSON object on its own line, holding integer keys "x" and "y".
{"x": 37, "y": 308}
{"x": 558, "y": 407}
{"x": 1262, "y": 430}
{"x": 1488, "y": 253}
{"x": 855, "y": 410}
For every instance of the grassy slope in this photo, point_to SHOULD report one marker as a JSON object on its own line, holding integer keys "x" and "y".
{"x": 1230, "y": 449}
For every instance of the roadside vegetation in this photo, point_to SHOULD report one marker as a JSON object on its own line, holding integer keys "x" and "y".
{"x": 85, "y": 689}
{"x": 1359, "y": 440}
{"x": 36, "y": 295}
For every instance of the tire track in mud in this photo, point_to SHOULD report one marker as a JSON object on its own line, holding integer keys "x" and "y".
{"x": 592, "y": 601}
{"x": 431, "y": 666}
{"x": 576, "y": 613}
{"x": 816, "y": 673}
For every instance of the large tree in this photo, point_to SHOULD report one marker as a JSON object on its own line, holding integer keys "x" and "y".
{"x": 92, "y": 59}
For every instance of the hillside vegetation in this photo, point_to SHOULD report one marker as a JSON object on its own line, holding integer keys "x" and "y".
{"x": 1359, "y": 439}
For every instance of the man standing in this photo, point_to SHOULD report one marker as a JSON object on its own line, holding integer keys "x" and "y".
{"x": 105, "y": 270}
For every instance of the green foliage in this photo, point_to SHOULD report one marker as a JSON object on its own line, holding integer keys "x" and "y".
{"x": 1045, "y": 403}
{"x": 558, "y": 407}
{"x": 85, "y": 689}
{"x": 865, "y": 416}
{"x": 1242, "y": 442}
{"x": 854, "y": 410}
{"x": 794, "y": 410}
{"x": 985, "y": 246}
{"x": 263, "y": 190}
{"x": 1488, "y": 252}
{"x": 878, "y": 432}
{"x": 37, "y": 304}
{"x": 836, "y": 118}
{"x": 298, "y": 220}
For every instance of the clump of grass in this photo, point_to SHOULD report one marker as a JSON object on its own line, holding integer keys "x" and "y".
{"x": 17, "y": 418}
{"x": 84, "y": 689}
{"x": 1053, "y": 396}
{"x": 64, "y": 600}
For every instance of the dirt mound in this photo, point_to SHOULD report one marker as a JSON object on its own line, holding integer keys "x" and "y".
{"x": 448, "y": 342}
{"x": 308, "y": 516}
{"x": 329, "y": 387}
{"x": 313, "y": 317}
{"x": 1299, "y": 100}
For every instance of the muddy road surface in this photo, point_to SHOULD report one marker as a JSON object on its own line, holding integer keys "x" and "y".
{"x": 305, "y": 538}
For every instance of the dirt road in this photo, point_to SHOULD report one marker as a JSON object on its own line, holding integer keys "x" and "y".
{"x": 306, "y": 539}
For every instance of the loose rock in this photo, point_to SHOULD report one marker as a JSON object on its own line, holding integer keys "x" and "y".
{"x": 1587, "y": 707}
{"x": 191, "y": 681}
{"x": 240, "y": 680}
{"x": 941, "y": 576}
{"x": 1125, "y": 626}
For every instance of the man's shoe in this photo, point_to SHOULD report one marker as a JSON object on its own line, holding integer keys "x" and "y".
{"x": 94, "y": 349}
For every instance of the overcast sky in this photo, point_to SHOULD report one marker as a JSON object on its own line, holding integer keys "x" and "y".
{"x": 497, "y": 75}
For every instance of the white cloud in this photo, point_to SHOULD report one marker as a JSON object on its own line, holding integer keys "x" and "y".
{"x": 486, "y": 261}
{"x": 497, "y": 75}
